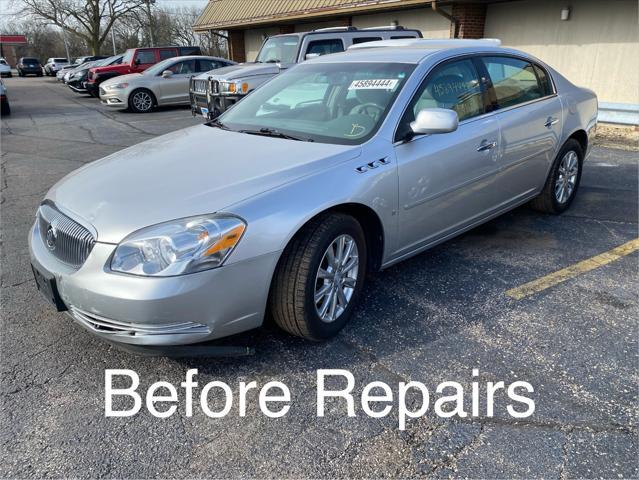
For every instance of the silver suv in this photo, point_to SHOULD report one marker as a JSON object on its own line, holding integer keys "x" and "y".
{"x": 213, "y": 92}
{"x": 345, "y": 164}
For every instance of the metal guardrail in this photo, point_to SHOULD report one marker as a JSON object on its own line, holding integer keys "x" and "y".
{"x": 620, "y": 113}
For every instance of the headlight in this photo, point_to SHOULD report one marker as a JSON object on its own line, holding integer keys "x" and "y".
{"x": 233, "y": 87}
{"x": 117, "y": 86}
{"x": 178, "y": 247}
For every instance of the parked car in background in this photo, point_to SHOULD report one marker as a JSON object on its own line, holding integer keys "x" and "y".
{"x": 64, "y": 69}
{"x": 53, "y": 65}
{"x": 213, "y": 94}
{"x": 89, "y": 58}
{"x": 165, "y": 83}
{"x": 5, "y": 109}
{"x": 29, "y": 66}
{"x": 5, "y": 68}
{"x": 78, "y": 77}
{"x": 135, "y": 60}
{"x": 345, "y": 164}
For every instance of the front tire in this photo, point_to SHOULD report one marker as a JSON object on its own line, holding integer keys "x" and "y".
{"x": 563, "y": 180}
{"x": 141, "y": 101}
{"x": 320, "y": 277}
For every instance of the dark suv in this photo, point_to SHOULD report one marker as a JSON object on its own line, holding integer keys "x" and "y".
{"x": 29, "y": 66}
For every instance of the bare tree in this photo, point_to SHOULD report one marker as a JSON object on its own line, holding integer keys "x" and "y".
{"x": 91, "y": 20}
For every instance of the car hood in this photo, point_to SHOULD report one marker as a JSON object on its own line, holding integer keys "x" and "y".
{"x": 193, "y": 171}
{"x": 243, "y": 70}
{"x": 131, "y": 77}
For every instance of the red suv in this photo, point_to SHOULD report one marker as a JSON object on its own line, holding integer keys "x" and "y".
{"x": 135, "y": 60}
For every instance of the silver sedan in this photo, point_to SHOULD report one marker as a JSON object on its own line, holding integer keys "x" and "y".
{"x": 165, "y": 83}
{"x": 342, "y": 165}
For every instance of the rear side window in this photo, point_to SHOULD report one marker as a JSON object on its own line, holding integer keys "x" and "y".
{"x": 400, "y": 37}
{"x": 544, "y": 81}
{"x": 357, "y": 40}
{"x": 167, "y": 53}
{"x": 514, "y": 80}
{"x": 324, "y": 47}
{"x": 144, "y": 57}
{"x": 60, "y": 60}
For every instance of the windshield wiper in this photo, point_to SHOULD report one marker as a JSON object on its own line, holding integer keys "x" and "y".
{"x": 269, "y": 132}
{"x": 218, "y": 124}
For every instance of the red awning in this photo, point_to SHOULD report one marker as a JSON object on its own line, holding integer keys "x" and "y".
{"x": 14, "y": 39}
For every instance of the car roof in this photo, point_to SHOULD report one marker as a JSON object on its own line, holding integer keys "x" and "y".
{"x": 399, "y": 52}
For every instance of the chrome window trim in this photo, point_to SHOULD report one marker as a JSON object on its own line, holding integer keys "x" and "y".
{"x": 477, "y": 55}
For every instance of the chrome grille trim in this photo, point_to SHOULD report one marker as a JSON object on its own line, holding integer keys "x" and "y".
{"x": 199, "y": 86}
{"x": 72, "y": 243}
{"x": 215, "y": 86}
{"x": 104, "y": 325}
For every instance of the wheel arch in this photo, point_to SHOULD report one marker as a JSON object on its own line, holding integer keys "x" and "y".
{"x": 367, "y": 218}
{"x": 582, "y": 137}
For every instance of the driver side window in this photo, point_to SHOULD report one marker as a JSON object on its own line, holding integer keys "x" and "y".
{"x": 454, "y": 85}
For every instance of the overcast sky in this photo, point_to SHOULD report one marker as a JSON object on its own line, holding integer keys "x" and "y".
{"x": 8, "y": 7}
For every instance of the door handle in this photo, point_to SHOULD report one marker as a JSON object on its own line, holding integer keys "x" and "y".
{"x": 485, "y": 145}
{"x": 550, "y": 122}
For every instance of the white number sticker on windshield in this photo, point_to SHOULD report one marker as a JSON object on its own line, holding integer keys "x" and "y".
{"x": 374, "y": 84}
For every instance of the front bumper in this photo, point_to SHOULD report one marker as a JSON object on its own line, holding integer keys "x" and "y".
{"x": 114, "y": 98}
{"x": 159, "y": 311}
{"x": 76, "y": 86}
{"x": 213, "y": 106}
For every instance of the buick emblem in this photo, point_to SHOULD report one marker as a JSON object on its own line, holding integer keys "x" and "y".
{"x": 52, "y": 234}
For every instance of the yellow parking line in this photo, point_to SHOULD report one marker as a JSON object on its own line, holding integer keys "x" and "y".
{"x": 572, "y": 271}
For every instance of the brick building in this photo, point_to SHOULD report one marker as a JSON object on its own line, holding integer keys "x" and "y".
{"x": 593, "y": 42}
{"x": 8, "y": 44}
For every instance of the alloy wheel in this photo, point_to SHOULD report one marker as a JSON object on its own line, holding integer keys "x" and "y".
{"x": 567, "y": 177}
{"x": 142, "y": 101}
{"x": 336, "y": 278}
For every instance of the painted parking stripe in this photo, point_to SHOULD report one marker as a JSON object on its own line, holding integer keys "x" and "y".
{"x": 572, "y": 271}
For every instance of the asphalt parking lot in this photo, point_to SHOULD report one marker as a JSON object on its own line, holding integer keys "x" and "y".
{"x": 432, "y": 318}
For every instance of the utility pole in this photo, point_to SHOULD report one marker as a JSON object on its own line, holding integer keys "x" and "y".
{"x": 148, "y": 11}
{"x": 112, "y": 27}
{"x": 66, "y": 44}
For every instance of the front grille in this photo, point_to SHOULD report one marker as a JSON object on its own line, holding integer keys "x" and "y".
{"x": 101, "y": 324}
{"x": 66, "y": 239}
{"x": 215, "y": 86}
{"x": 102, "y": 91}
{"x": 199, "y": 86}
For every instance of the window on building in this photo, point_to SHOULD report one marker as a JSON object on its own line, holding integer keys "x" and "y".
{"x": 145, "y": 57}
{"x": 513, "y": 79}
{"x": 324, "y": 47}
{"x": 357, "y": 40}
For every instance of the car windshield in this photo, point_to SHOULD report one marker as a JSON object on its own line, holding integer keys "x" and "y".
{"x": 60, "y": 60}
{"x": 128, "y": 55}
{"x": 30, "y": 60}
{"x": 343, "y": 103}
{"x": 158, "y": 68}
{"x": 279, "y": 50}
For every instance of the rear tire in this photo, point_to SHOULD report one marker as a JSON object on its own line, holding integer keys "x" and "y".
{"x": 563, "y": 180}
{"x": 141, "y": 100}
{"x": 313, "y": 296}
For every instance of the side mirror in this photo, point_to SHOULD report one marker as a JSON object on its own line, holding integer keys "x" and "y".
{"x": 137, "y": 61}
{"x": 435, "y": 120}
{"x": 167, "y": 74}
{"x": 311, "y": 55}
